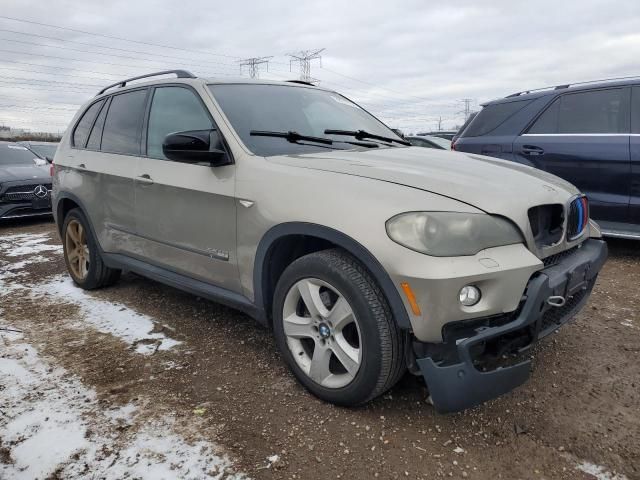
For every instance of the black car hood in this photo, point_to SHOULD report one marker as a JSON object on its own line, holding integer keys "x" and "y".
{"x": 20, "y": 171}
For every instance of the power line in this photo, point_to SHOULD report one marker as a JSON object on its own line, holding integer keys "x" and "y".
{"x": 304, "y": 58}
{"x": 101, "y": 53}
{"x": 106, "y": 47}
{"x": 113, "y": 37}
{"x": 136, "y": 67}
{"x": 254, "y": 65}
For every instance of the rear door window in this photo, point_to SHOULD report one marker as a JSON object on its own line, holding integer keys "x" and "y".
{"x": 81, "y": 133}
{"x": 123, "y": 125}
{"x": 492, "y": 116}
{"x": 596, "y": 111}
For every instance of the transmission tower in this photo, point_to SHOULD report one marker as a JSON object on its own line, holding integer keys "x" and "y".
{"x": 304, "y": 58}
{"x": 467, "y": 107}
{"x": 254, "y": 65}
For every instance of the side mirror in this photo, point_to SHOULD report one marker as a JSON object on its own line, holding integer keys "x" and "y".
{"x": 39, "y": 162}
{"x": 196, "y": 146}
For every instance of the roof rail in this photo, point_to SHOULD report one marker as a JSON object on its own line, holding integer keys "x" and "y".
{"x": 301, "y": 82}
{"x": 567, "y": 85}
{"x": 122, "y": 83}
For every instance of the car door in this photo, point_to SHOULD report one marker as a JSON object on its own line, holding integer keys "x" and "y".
{"x": 634, "y": 201}
{"x": 106, "y": 143}
{"x": 112, "y": 150}
{"x": 185, "y": 213}
{"x": 583, "y": 137}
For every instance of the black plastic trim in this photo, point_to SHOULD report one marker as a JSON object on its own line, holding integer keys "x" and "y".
{"x": 182, "y": 282}
{"x": 460, "y": 386}
{"x": 261, "y": 280}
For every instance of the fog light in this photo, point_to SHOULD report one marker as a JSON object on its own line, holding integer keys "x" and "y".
{"x": 469, "y": 295}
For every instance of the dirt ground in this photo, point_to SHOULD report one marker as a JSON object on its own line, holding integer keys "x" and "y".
{"x": 224, "y": 383}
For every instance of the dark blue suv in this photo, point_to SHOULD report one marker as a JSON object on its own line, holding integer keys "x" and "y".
{"x": 588, "y": 134}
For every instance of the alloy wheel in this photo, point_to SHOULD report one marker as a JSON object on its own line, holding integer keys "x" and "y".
{"x": 322, "y": 333}
{"x": 77, "y": 249}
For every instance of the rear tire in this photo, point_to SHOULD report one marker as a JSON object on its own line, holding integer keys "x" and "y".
{"x": 82, "y": 255}
{"x": 346, "y": 355}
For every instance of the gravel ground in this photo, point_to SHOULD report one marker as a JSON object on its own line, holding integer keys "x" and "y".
{"x": 143, "y": 381}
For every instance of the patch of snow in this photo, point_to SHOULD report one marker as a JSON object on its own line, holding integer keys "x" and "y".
{"x": 599, "y": 472}
{"x": 627, "y": 323}
{"x": 22, "y": 244}
{"x": 52, "y": 423}
{"x": 112, "y": 318}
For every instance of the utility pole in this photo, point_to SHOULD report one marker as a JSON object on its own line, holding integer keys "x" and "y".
{"x": 254, "y": 65}
{"x": 304, "y": 58}
{"x": 467, "y": 107}
{"x": 439, "y": 123}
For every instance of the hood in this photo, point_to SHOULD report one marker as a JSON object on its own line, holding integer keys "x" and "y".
{"x": 495, "y": 186}
{"x": 20, "y": 171}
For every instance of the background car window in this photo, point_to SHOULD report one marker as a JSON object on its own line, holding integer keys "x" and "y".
{"x": 44, "y": 150}
{"x": 174, "y": 109}
{"x": 81, "y": 133}
{"x": 492, "y": 116}
{"x": 95, "y": 138}
{"x": 122, "y": 126}
{"x": 599, "y": 111}
{"x": 15, "y": 154}
{"x": 635, "y": 110}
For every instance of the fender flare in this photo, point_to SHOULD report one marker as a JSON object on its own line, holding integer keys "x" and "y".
{"x": 260, "y": 277}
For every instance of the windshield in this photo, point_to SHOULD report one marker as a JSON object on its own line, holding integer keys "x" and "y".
{"x": 13, "y": 154}
{"x": 45, "y": 150}
{"x": 282, "y": 108}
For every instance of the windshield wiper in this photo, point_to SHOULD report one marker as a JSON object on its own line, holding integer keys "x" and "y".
{"x": 294, "y": 137}
{"x": 291, "y": 136}
{"x": 363, "y": 134}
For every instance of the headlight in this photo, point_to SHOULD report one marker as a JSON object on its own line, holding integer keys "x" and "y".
{"x": 451, "y": 234}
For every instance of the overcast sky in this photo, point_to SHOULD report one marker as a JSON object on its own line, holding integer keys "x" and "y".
{"x": 407, "y": 62}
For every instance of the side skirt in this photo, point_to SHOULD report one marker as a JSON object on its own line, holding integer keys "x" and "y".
{"x": 184, "y": 283}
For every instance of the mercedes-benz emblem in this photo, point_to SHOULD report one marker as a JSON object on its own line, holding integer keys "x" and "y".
{"x": 40, "y": 191}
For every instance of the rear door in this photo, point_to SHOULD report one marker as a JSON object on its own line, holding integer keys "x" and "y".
{"x": 185, "y": 213}
{"x": 584, "y": 138}
{"x": 112, "y": 150}
{"x": 634, "y": 202}
{"x": 485, "y": 134}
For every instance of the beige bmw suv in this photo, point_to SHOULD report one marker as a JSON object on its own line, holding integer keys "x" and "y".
{"x": 366, "y": 257}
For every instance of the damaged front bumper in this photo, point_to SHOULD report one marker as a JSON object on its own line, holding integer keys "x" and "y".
{"x": 553, "y": 296}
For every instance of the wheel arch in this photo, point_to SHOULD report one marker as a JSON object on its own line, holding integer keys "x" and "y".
{"x": 66, "y": 202}
{"x": 286, "y": 242}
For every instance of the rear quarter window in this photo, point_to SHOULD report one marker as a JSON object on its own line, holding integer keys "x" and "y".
{"x": 492, "y": 116}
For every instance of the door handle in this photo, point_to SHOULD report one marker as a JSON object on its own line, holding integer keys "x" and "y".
{"x": 145, "y": 179}
{"x": 532, "y": 150}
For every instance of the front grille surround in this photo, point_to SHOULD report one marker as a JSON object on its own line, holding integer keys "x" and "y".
{"x": 547, "y": 224}
{"x": 24, "y": 193}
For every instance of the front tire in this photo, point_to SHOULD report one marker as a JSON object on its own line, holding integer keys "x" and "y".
{"x": 335, "y": 330}
{"x": 82, "y": 255}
